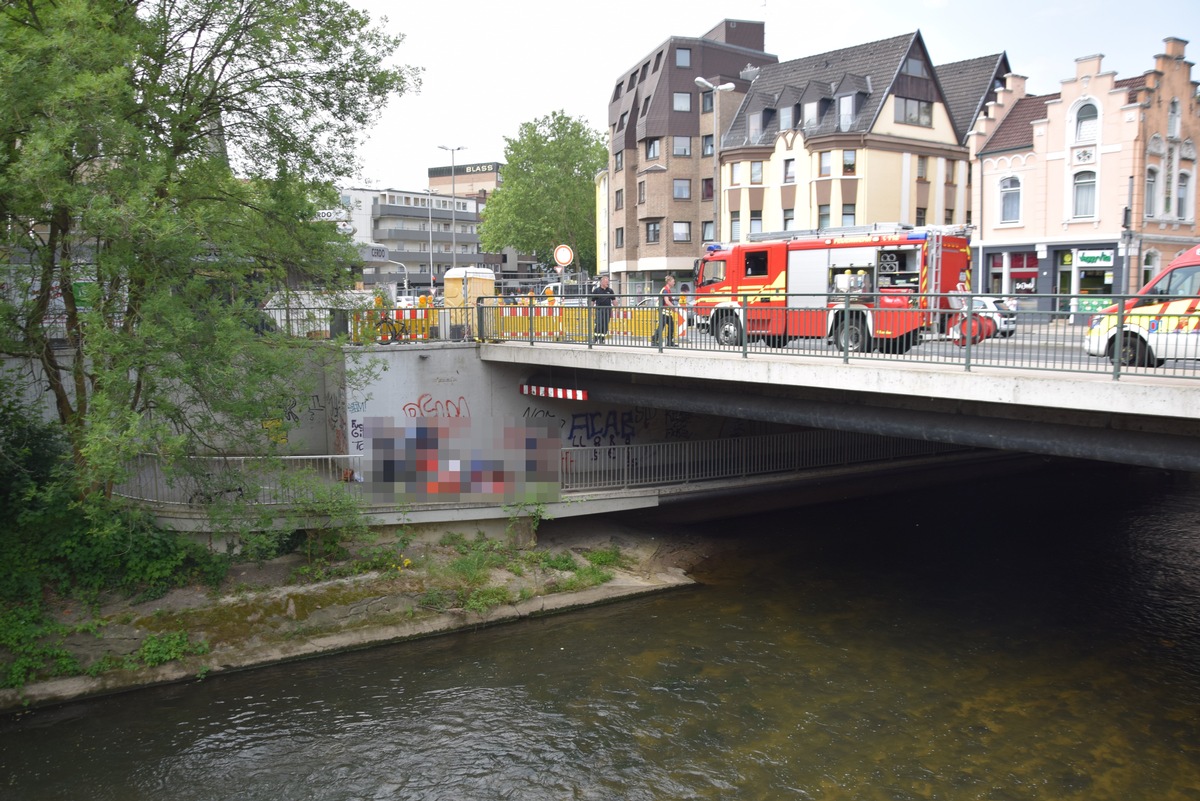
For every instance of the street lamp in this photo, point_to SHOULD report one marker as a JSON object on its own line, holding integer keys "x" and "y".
{"x": 716, "y": 155}
{"x": 429, "y": 208}
{"x": 453, "y": 205}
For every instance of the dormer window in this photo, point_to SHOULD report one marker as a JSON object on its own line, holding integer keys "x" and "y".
{"x": 786, "y": 118}
{"x": 845, "y": 112}
{"x": 811, "y": 117}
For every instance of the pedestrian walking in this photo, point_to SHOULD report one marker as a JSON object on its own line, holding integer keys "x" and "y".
{"x": 603, "y": 298}
{"x": 666, "y": 314}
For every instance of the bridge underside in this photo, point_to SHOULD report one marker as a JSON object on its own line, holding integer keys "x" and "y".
{"x": 1039, "y": 413}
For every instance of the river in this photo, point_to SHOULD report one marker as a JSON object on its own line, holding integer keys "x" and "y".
{"x": 1029, "y": 637}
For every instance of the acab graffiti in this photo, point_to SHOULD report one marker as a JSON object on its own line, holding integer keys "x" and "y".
{"x": 602, "y": 428}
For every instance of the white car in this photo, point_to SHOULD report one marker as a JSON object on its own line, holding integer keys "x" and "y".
{"x": 1001, "y": 311}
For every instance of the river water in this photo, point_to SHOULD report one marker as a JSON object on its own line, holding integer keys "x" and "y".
{"x": 1033, "y": 637}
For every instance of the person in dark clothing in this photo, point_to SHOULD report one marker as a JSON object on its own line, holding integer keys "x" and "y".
{"x": 666, "y": 314}
{"x": 603, "y": 298}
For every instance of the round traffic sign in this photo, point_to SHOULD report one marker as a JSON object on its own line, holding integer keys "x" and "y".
{"x": 563, "y": 255}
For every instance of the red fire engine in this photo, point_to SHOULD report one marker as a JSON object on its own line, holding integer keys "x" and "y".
{"x": 864, "y": 287}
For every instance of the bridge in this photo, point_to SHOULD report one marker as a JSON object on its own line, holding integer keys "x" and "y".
{"x": 768, "y": 411}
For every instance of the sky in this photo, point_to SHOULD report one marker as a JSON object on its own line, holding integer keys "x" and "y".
{"x": 490, "y": 65}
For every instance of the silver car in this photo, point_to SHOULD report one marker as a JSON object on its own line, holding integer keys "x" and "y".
{"x": 1001, "y": 311}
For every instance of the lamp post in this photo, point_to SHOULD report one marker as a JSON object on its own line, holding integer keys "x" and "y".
{"x": 453, "y": 205}
{"x": 716, "y": 155}
{"x": 429, "y": 208}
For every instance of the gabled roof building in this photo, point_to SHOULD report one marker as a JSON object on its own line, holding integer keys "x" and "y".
{"x": 1056, "y": 174}
{"x": 865, "y": 134}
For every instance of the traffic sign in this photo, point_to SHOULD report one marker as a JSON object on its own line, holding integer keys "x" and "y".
{"x": 563, "y": 255}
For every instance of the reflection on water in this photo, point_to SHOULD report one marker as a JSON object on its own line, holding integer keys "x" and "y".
{"x": 1030, "y": 639}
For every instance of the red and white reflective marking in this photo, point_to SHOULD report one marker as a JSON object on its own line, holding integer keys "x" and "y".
{"x": 554, "y": 392}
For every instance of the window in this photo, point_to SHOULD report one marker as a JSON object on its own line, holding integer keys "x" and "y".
{"x": 1151, "y": 191}
{"x": 682, "y": 101}
{"x": 847, "y": 214}
{"x": 682, "y": 146}
{"x": 1181, "y": 209}
{"x": 823, "y": 216}
{"x": 786, "y": 118}
{"x": 624, "y": 117}
{"x": 681, "y": 232}
{"x": 756, "y": 221}
{"x": 756, "y": 127}
{"x": 706, "y": 145}
{"x": 922, "y": 168}
{"x": 1085, "y": 194}
{"x": 845, "y": 112}
{"x": 706, "y": 102}
{"x": 735, "y": 173}
{"x": 1010, "y": 200}
{"x": 706, "y": 188}
{"x": 653, "y": 230}
{"x": 949, "y": 219}
{"x": 810, "y": 114}
{"x": 735, "y": 229}
{"x": 683, "y": 57}
{"x": 826, "y": 162}
{"x": 789, "y": 171}
{"x": 619, "y": 199}
{"x": 657, "y": 60}
{"x": 1086, "y": 123}
{"x": 920, "y": 216}
{"x": 681, "y": 189}
{"x": 914, "y": 112}
{"x": 641, "y": 191}
{"x": 756, "y": 263}
{"x": 914, "y": 67}
{"x": 651, "y": 148}
{"x": 756, "y": 172}
{"x": 646, "y": 105}
{"x": 1173, "y": 119}
{"x": 706, "y": 230}
{"x": 849, "y": 162}
{"x": 619, "y": 161}
{"x": 789, "y": 219}
{"x": 619, "y": 237}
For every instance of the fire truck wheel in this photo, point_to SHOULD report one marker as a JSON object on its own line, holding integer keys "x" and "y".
{"x": 852, "y": 335}
{"x": 727, "y": 330}
{"x": 900, "y": 344}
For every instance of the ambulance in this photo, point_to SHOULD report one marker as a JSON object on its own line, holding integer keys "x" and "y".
{"x": 1159, "y": 323}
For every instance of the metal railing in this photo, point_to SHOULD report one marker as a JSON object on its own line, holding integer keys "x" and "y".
{"x": 1040, "y": 332}
{"x": 666, "y": 463}
{"x": 206, "y": 480}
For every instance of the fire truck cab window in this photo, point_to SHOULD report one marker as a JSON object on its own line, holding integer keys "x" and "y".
{"x": 714, "y": 272}
{"x": 756, "y": 263}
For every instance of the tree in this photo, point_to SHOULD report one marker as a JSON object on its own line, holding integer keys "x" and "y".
{"x": 547, "y": 196}
{"x": 160, "y": 165}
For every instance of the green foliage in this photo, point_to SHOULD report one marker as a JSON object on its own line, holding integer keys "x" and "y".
{"x": 606, "y": 557}
{"x": 160, "y": 165}
{"x": 548, "y": 194}
{"x": 158, "y": 649}
{"x": 485, "y": 598}
{"x": 584, "y": 577}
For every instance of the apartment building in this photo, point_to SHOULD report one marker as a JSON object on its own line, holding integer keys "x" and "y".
{"x": 427, "y": 232}
{"x": 866, "y": 134}
{"x": 656, "y": 195}
{"x": 1091, "y": 189}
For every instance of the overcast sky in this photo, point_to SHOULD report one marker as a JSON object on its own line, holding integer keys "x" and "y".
{"x": 491, "y": 65}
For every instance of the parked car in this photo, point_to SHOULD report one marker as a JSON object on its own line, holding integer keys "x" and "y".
{"x": 1001, "y": 311}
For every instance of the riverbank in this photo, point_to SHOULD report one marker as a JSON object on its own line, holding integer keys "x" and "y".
{"x": 265, "y": 614}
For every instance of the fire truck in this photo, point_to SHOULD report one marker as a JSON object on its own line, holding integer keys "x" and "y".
{"x": 861, "y": 288}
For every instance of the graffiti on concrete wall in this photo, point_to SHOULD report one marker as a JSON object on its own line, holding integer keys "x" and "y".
{"x": 427, "y": 406}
